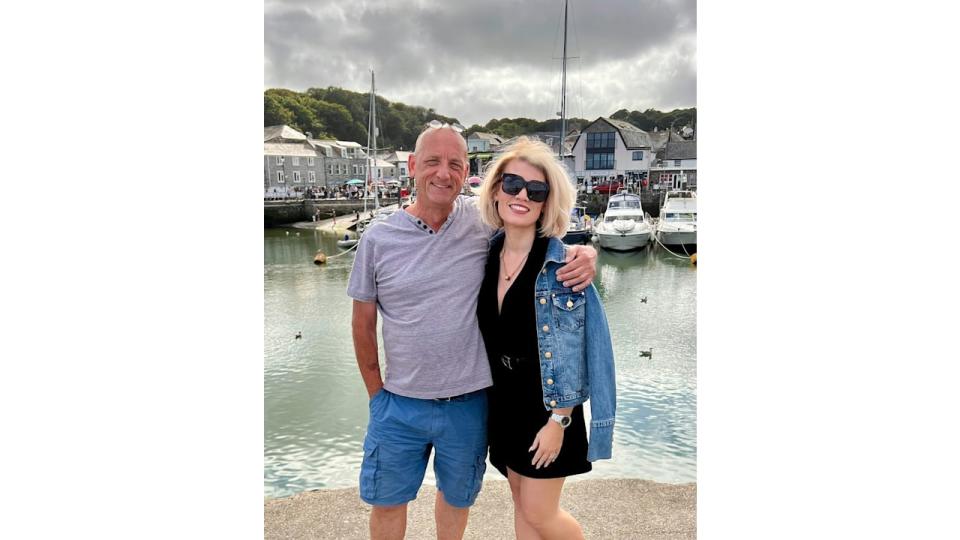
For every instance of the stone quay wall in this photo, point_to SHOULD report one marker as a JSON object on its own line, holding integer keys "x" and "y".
{"x": 596, "y": 203}
{"x": 278, "y": 213}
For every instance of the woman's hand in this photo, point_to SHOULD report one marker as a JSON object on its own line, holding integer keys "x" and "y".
{"x": 547, "y": 443}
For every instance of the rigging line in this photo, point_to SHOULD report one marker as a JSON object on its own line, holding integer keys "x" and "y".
{"x": 576, "y": 35}
{"x": 551, "y": 112}
{"x": 344, "y": 252}
{"x": 668, "y": 249}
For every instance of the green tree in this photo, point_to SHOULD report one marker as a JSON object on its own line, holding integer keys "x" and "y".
{"x": 274, "y": 113}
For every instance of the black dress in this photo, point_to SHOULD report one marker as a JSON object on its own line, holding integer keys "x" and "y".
{"x": 516, "y": 398}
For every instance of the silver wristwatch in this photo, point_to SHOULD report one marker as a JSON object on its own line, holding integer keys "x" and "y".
{"x": 564, "y": 421}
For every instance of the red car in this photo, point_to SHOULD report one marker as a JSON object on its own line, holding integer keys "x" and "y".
{"x": 608, "y": 186}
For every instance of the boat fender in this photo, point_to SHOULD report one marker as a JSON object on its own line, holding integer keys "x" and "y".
{"x": 319, "y": 258}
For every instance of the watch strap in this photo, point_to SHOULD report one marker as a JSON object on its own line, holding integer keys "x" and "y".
{"x": 564, "y": 421}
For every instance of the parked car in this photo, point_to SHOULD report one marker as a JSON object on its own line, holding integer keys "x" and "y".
{"x": 608, "y": 186}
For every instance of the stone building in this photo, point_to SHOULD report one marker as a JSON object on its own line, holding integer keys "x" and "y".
{"x": 291, "y": 165}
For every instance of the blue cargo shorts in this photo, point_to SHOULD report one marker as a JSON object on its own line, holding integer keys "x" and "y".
{"x": 400, "y": 435}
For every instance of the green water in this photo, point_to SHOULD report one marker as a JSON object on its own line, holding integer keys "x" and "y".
{"x": 315, "y": 408}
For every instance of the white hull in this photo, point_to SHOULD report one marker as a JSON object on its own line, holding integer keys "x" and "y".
{"x": 675, "y": 238}
{"x": 623, "y": 242}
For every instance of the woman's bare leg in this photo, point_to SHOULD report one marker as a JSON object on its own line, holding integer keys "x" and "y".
{"x": 540, "y": 506}
{"x": 523, "y": 530}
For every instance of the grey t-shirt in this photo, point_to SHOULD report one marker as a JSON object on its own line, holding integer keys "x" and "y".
{"x": 425, "y": 285}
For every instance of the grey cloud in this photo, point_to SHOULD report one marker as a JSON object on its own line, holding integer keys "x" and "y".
{"x": 477, "y": 61}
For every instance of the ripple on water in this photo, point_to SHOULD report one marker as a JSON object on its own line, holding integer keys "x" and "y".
{"x": 315, "y": 405}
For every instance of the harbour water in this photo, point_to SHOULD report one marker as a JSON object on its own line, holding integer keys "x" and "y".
{"x": 315, "y": 405}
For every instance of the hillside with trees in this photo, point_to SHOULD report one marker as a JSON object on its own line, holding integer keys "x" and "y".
{"x": 335, "y": 113}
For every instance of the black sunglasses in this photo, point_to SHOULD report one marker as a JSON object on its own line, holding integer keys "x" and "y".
{"x": 513, "y": 184}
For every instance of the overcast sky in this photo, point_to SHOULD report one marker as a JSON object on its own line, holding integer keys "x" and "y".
{"x": 482, "y": 59}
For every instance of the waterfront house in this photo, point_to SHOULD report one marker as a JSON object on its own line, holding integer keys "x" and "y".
{"x": 612, "y": 149}
{"x": 480, "y": 148}
{"x": 676, "y": 165}
{"x": 343, "y": 160}
{"x": 291, "y": 165}
{"x": 399, "y": 160}
{"x": 483, "y": 142}
{"x": 384, "y": 170}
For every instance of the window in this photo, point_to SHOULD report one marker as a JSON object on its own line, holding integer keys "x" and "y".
{"x": 310, "y": 161}
{"x": 602, "y": 140}
{"x": 600, "y": 161}
{"x": 638, "y": 155}
{"x": 296, "y": 176}
{"x": 313, "y": 177}
{"x": 296, "y": 161}
{"x": 599, "y": 152}
{"x": 330, "y": 168}
{"x": 279, "y": 160}
{"x": 279, "y": 177}
{"x": 634, "y": 217}
{"x": 355, "y": 170}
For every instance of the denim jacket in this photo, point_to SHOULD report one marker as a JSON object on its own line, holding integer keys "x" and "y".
{"x": 576, "y": 353}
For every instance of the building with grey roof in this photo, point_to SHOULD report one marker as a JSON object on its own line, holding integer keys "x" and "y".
{"x": 343, "y": 160}
{"x": 291, "y": 166}
{"x": 483, "y": 142}
{"x": 295, "y": 163}
{"x": 612, "y": 149}
{"x": 676, "y": 165}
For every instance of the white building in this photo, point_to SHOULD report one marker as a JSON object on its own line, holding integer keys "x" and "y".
{"x": 609, "y": 148}
{"x": 384, "y": 170}
{"x": 482, "y": 142}
{"x": 399, "y": 161}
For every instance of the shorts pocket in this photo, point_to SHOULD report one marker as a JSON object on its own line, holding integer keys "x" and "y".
{"x": 369, "y": 471}
{"x": 479, "y": 467}
{"x": 375, "y": 401}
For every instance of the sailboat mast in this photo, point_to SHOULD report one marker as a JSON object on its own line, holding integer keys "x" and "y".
{"x": 563, "y": 83}
{"x": 373, "y": 120}
{"x": 369, "y": 175}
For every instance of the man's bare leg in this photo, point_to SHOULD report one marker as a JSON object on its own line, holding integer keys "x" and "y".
{"x": 388, "y": 522}
{"x": 451, "y": 521}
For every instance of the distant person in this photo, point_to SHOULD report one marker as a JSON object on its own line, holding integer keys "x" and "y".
{"x": 420, "y": 269}
{"x": 549, "y": 347}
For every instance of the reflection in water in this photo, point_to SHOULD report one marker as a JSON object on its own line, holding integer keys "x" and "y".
{"x": 315, "y": 405}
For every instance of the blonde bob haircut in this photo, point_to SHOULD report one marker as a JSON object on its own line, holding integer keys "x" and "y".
{"x": 555, "y": 217}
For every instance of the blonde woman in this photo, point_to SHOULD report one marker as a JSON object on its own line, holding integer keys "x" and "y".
{"x": 549, "y": 347}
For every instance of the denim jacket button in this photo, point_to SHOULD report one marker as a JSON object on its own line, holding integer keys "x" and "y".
{"x": 553, "y": 403}
{"x": 546, "y": 328}
{"x": 569, "y": 304}
{"x": 547, "y": 355}
{"x": 543, "y": 300}
{"x": 550, "y": 382}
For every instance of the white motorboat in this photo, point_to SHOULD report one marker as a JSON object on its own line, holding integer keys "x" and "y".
{"x": 347, "y": 242}
{"x": 623, "y": 227}
{"x": 677, "y": 225}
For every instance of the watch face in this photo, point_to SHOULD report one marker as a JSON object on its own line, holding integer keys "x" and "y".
{"x": 565, "y": 421}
